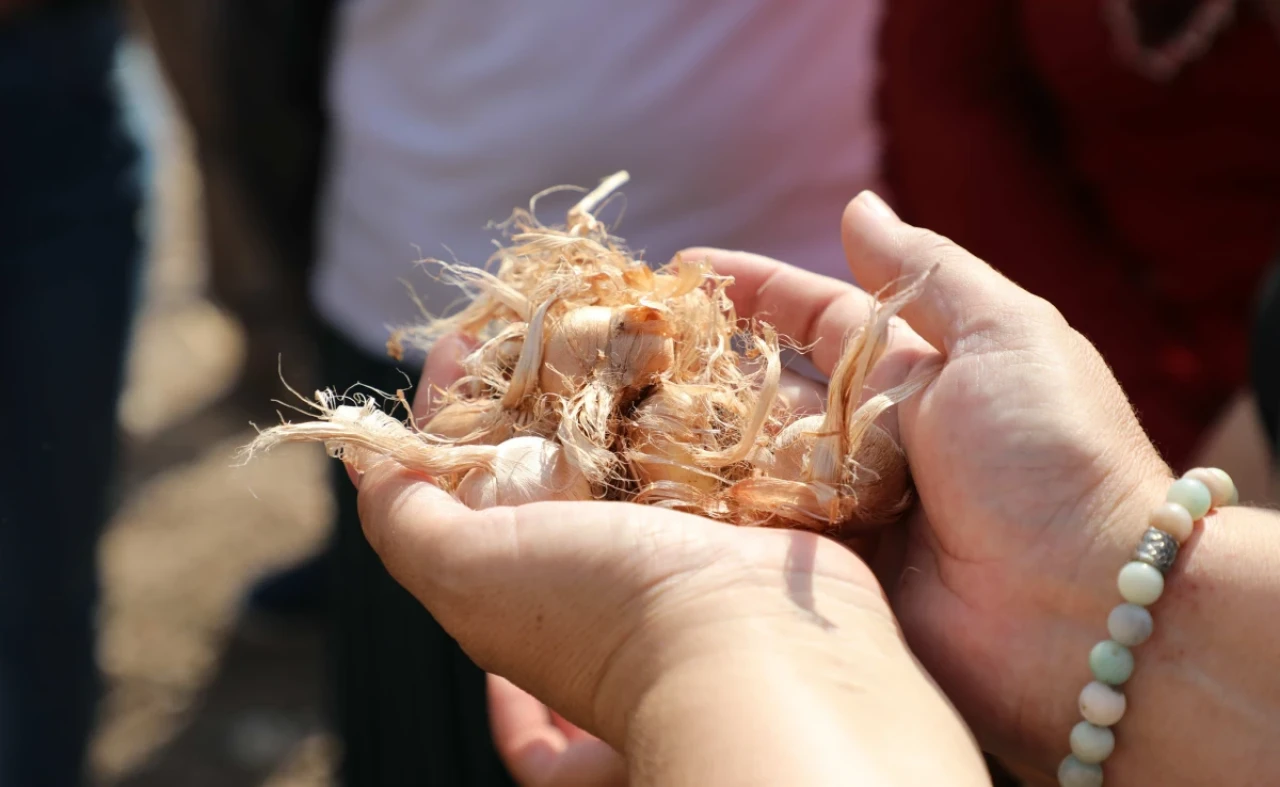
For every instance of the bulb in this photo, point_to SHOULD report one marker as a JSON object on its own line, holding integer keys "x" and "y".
{"x": 661, "y": 436}
{"x": 630, "y": 347}
{"x": 525, "y": 470}
{"x": 479, "y": 421}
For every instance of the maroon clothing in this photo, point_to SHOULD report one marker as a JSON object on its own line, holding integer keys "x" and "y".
{"x": 1146, "y": 212}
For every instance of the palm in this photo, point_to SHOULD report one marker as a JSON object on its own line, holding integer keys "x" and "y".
{"x": 643, "y": 565}
{"x": 1015, "y": 493}
{"x": 1008, "y": 489}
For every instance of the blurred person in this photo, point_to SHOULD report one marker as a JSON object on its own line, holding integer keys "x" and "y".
{"x": 743, "y": 125}
{"x": 1117, "y": 157}
{"x": 1266, "y": 362}
{"x": 70, "y": 249}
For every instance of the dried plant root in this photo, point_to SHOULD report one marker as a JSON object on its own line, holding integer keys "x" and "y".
{"x": 597, "y": 376}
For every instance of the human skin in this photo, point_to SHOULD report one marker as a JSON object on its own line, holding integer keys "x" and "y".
{"x": 1035, "y": 481}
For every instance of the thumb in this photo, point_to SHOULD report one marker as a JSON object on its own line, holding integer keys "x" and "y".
{"x": 442, "y": 368}
{"x": 966, "y": 305}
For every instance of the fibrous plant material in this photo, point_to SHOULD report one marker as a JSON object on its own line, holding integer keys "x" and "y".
{"x": 594, "y": 376}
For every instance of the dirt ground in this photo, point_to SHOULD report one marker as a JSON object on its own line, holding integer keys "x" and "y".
{"x": 196, "y": 696}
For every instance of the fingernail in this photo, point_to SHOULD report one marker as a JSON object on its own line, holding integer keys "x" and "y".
{"x": 871, "y": 202}
{"x": 353, "y": 474}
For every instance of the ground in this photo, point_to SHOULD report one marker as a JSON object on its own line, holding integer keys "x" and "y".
{"x": 195, "y": 695}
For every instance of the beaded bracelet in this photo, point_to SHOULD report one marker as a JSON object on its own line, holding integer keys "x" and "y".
{"x": 1141, "y": 582}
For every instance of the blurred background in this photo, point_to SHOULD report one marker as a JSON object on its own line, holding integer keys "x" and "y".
{"x": 202, "y": 198}
{"x": 194, "y": 694}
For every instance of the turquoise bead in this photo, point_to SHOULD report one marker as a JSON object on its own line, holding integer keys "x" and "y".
{"x": 1092, "y": 743}
{"x": 1130, "y": 625}
{"x": 1111, "y": 662}
{"x": 1073, "y": 773}
{"x": 1221, "y": 488}
{"x": 1140, "y": 583}
{"x": 1192, "y": 495}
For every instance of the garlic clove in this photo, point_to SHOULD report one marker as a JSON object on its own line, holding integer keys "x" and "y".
{"x": 476, "y": 421}
{"x": 525, "y": 470}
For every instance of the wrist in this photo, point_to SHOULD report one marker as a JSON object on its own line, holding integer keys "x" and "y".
{"x": 1204, "y": 683}
{"x": 1192, "y": 682}
{"x": 1072, "y": 609}
{"x": 778, "y": 696}
{"x": 711, "y": 635}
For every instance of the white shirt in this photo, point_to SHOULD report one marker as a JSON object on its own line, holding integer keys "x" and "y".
{"x": 745, "y": 124}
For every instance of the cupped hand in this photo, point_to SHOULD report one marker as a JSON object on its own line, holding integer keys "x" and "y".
{"x": 1033, "y": 474}
{"x": 594, "y": 608}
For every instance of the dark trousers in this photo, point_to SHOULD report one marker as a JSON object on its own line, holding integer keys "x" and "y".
{"x": 69, "y": 251}
{"x": 1265, "y": 361}
{"x": 410, "y": 704}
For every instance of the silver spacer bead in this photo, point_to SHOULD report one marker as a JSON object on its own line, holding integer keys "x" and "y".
{"x": 1157, "y": 548}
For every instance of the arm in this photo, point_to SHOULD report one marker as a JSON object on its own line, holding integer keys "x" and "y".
{"x": 706, "y": 654}
{"x": 1239, "y": 444}
{"x": 1204, "y": 700}
{"x": 796, "y": 703}
{"x": 1036, "y": 483}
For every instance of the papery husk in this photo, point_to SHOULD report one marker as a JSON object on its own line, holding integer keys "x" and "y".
{"x": 524, "y": 470}
{"x": 633, "y": 375}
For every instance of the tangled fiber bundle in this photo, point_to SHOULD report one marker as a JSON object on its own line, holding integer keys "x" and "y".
{"x": 595, "y": 376}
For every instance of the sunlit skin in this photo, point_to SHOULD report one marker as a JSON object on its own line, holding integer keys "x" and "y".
{"x": 641, "y": 626}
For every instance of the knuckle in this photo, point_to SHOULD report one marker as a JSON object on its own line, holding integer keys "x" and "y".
{"x": 923, "y": 248}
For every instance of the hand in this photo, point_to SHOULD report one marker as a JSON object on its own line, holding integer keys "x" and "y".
{"x": 1034, "y": 477}
{"x": 541, "y": 749}
{"x": 642, "y": 626}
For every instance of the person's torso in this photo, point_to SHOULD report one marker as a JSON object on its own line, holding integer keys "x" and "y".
{"x": 744, "y": 123}
{"x": 1184, "y": 173}
{"x": 1171, "y": 164}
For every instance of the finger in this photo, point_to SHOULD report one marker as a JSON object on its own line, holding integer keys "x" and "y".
{"x": 526, "y": 740}
{"x": 423, "y": 535}
{"x": 442, "y": 368}
{"x": 816, "y": 311}
{"x": 451, "y": 557}
{"x": 541, "y": 749}
{"x": 801, "y": 395}
{"x": 571, "y": 731}
{"x": 965, "y": 302}
{"x": 809, "y": 309}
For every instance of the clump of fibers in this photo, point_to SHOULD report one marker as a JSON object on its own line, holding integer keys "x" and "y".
{"x": 595, "y": 376}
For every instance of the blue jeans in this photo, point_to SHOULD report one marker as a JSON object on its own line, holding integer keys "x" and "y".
{"x": 69, "y": 252}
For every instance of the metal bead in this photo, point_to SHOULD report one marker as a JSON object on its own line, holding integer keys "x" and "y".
{"x": 1157, "y": 548}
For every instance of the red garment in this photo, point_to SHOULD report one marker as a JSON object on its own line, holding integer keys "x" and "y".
{"x": 1146, "y": 212}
